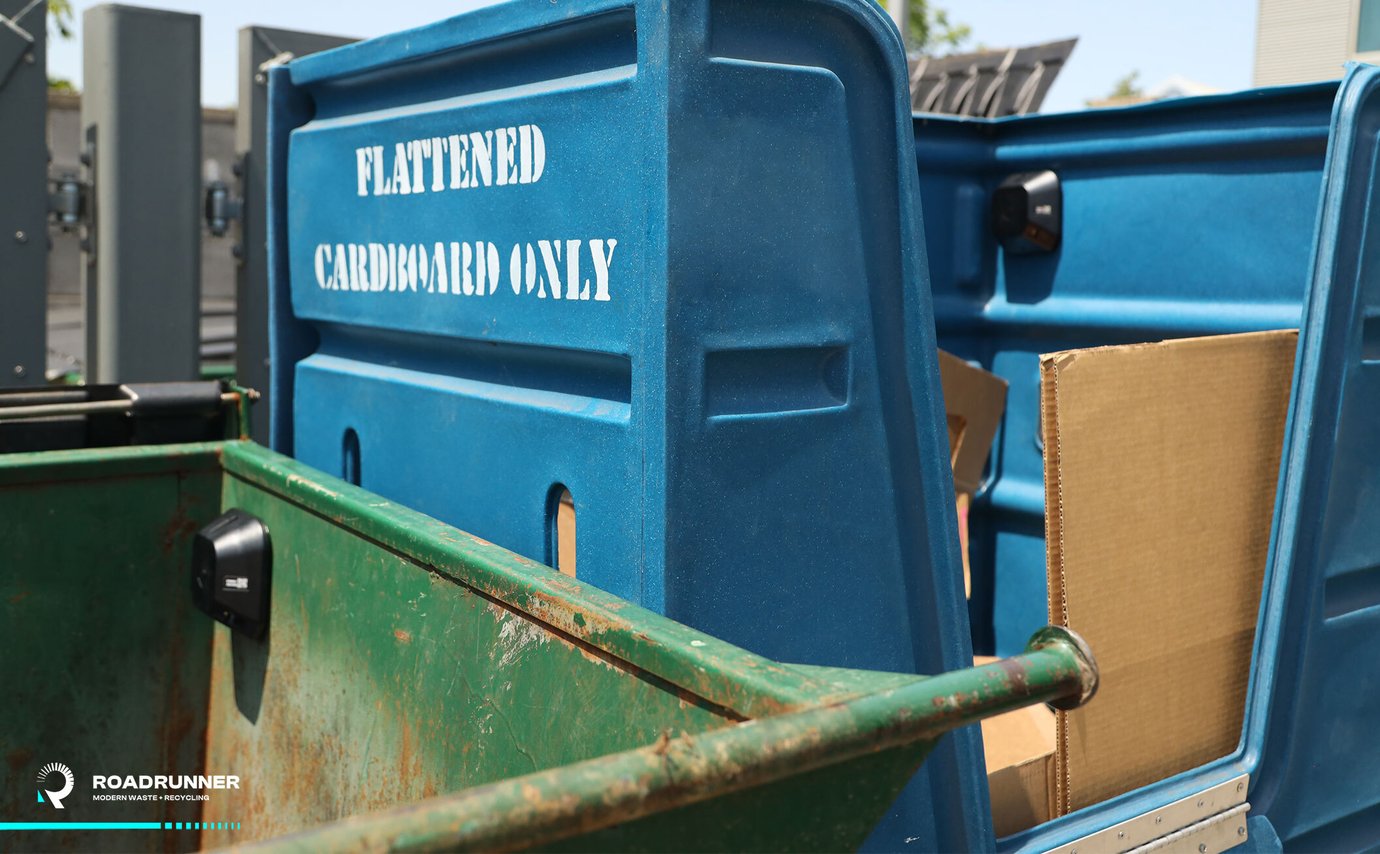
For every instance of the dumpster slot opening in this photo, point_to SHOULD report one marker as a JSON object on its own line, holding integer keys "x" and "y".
{"x": 349, "y": 452}
{"x": 1370, "y": 338}
{"x": 561, "y": 524}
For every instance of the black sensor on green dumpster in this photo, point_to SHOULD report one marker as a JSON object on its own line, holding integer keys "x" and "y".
{"x": 232, "y": 561}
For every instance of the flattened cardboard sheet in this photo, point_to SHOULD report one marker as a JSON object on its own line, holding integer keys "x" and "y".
{"x": 1161, "y": 464}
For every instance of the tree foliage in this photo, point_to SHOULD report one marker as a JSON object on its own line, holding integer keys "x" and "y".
{"x": 1126, "y": 87}
{"x": 929, "y": 29}
{"x": 60, "y": 22}
{"x": 60, "y": 17}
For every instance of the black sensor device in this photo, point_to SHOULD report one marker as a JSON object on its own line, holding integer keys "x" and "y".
{"x": 1028, "y": 212}
{"x": 232, "y": 562}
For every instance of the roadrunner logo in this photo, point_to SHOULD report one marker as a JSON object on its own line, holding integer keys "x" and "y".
{"x": 51, "y": 774}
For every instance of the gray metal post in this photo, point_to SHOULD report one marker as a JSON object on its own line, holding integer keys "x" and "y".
{"x": 23, "y": 193}
{"x": 259, "y": 47}
{"x": 141, "y": 123}
{"x": 900, "y": 14}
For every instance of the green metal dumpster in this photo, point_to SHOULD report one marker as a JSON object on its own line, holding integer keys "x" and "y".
{"x": 417, "y": 688}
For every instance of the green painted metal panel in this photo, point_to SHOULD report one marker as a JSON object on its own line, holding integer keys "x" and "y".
{"x": 406, "y": 681}
{"x": 814, "y": 779}
{"x": 419, "y": 688}
{"x": 103, "y": 666}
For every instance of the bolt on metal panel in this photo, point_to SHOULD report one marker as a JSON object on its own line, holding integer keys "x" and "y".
{"x": 141, "y": 123}
{"x": 259, "y": 49}
{"x": 24, "y": 199}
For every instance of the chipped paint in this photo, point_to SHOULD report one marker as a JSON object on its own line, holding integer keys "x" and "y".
{"x": 516, "y": 637}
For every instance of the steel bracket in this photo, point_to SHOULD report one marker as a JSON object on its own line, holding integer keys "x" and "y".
{"x": 1209, "y": 822}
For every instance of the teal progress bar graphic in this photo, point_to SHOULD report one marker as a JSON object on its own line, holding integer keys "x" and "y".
{"x": 81, "y": 825}
{"x": 119, "y": 825}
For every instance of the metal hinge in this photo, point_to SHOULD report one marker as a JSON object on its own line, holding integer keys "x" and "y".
{"x": 67, "y": 201}
{"x": 221, "y": 207}
{"x": 1209, "y": 822}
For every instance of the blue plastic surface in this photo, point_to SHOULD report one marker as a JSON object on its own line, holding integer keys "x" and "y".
{"x": 1315, "y": 699}
{"x": 1190, "y": 217}
{"x": 703, "y": 309}
{"x": 1208, "y": 215}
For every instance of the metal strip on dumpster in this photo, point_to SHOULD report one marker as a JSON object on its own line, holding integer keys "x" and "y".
{"x": 665, "y": 260}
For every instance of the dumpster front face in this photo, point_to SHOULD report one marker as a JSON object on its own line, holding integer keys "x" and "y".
{"x": 663, "y": 258}
{"x": 480, "y": 700}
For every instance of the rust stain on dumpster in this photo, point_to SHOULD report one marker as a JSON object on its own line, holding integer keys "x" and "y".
{"x": 177, "y": 530}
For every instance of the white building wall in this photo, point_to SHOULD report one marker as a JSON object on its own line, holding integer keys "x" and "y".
{"x": 1298, "y": 41}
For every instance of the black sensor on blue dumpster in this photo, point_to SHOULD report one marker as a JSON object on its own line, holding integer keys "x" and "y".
{"x": 232, "y": 561}
{"x": 1028, "y": 212}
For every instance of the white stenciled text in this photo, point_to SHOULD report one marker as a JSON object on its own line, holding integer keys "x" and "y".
{"x": 498, "y": 157}
{"x": 571, "y": 269}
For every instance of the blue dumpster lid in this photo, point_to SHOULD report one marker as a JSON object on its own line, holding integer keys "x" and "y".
{"x": 666, "y": 257}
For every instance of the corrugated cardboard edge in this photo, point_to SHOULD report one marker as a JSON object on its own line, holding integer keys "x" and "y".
{"x": 1054, "y": 541}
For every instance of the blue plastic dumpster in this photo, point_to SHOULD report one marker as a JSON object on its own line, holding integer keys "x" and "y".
{"x": 1209, "y": 215}
{"x": 670, "y": 261}
{"x": 667, "y": 258}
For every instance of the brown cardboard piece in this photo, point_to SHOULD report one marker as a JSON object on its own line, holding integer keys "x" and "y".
{"x": 1161, "y": 463}
{"x": 974, "y": 400}
{"x": 1019, "y": 747}
{"x": 565, "y": 534}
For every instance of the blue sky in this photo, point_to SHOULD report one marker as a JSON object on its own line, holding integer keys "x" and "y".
{"x": 1210, "y": 41}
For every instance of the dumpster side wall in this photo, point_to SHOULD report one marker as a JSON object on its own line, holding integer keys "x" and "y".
{"x": 383, "y": 681}
{"x": 1315, "y": 703}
